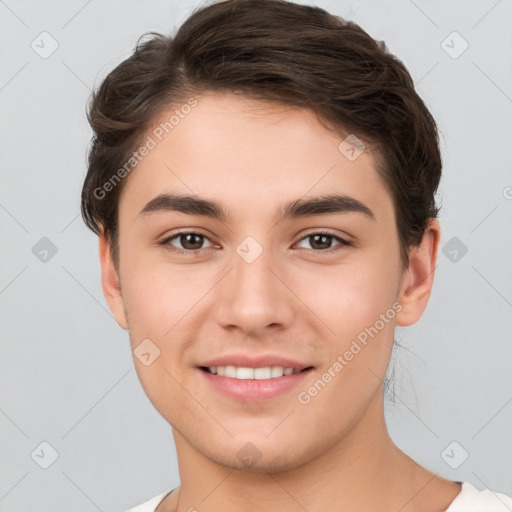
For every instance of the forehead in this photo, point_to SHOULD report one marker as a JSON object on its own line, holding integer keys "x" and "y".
{"x": 249, "y": 153}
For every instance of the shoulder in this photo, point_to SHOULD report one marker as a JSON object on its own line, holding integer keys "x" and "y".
{"x": 151, "y": 504}
{"x": 471, "y": 499}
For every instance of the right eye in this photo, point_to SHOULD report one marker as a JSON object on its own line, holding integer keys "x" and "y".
{"x": 189, "y": 240}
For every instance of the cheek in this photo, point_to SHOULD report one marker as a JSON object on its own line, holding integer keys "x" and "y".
{"x": 358, "y": 304}
{"x": 349, "y": 298}
{"x": 157, "y": 298}
{"x": 156, "y": 295}
{"x": 359, "y": 307}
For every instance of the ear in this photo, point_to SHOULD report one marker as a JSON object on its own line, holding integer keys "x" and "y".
{"x": 418, "y": 279}
{"x": 110, "y": 283}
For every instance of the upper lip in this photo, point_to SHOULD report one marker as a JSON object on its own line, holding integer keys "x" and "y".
{"x": 255, "y": 361}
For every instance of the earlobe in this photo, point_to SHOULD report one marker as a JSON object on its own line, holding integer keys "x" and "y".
{"x": 418, "y": 280}
{"x": 110, "y": 283}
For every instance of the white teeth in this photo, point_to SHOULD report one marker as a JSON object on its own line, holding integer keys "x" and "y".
{"x": 262, "y": 373}
{"x": 230, "y": 371}
{"x": 276, "y": 371}
{"x": 244, "y": 373}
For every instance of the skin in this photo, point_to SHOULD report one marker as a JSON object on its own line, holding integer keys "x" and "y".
{"x": 333, "y": 453}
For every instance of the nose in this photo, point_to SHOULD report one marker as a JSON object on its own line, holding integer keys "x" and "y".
{"x": 255, "y": 296}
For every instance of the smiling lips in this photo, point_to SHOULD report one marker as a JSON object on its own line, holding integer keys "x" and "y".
{"x": 245, "y": 373}
{"x": 245, "y": 366}
{"x": 251, "y": 378}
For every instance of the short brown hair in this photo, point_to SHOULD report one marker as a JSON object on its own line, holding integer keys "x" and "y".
{"x": 269, "y": 50}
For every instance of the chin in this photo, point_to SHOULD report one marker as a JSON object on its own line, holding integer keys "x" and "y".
{"x": 258, "y": 456}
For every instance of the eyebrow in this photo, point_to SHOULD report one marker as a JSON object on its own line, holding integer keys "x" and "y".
{"x": 311, "y": 206}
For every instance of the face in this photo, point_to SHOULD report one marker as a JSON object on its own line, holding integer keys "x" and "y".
{"x": 316, "y": 290}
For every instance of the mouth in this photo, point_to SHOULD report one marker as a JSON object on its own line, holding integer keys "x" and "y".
{"x": 245, "y": 384}
{"x": 247, "y": 373}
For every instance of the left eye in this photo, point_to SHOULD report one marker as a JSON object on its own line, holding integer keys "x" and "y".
{"x": 321, "y": 239}
{"x": 192, "y": 242}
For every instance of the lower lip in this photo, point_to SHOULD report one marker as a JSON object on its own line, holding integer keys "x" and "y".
{"x": 255, "y": 390}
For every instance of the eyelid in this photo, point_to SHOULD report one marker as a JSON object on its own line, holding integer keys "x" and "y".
{"x": 165, "y": 241}
{"x": 320, "y": 231}
{"x": 342, "y": 242}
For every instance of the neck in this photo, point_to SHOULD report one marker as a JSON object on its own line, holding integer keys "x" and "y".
{"x": 363, "y": 471}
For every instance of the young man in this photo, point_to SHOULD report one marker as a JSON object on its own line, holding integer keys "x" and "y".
{"x": 262, "y": 185}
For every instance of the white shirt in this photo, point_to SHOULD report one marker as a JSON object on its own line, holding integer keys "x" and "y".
{"x": 470, "y": 499}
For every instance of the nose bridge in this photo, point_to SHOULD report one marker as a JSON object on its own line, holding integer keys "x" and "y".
{"x": 252, "y": 297}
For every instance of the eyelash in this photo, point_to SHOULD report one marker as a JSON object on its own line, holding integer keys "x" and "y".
{"x": 166, "y": 245}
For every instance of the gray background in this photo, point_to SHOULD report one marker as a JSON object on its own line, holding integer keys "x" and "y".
{"x": 67, "y": 376}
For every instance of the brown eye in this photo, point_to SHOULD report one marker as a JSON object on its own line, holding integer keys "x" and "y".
{"x": 192, "y": 242}
{"x": 189, "y": 242}
{"x": 323, "y": 242}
